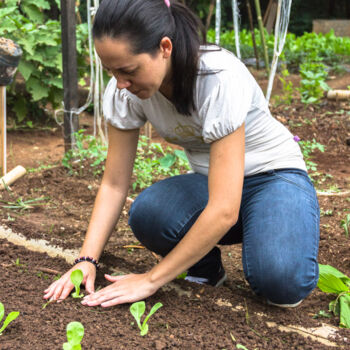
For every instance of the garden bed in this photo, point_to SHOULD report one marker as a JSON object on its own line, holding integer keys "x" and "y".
{"x": 193, "y": 316}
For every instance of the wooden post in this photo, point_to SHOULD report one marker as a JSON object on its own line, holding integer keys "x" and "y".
{"x": 262, "y": 34}
{"x": 70, "y": 74}
{"x": 3, "y": 130}
{"x": 250, "y": 16}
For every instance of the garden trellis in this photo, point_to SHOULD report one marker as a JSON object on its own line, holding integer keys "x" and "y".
{"x": 281, "y": 27}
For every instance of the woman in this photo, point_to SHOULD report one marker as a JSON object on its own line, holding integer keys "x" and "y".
{"x": 249, "y": 182}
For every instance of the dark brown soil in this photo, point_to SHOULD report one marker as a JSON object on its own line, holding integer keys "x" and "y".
{"x": 205, "y": 318}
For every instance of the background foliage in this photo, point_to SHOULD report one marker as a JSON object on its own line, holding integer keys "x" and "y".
{"x": 27, "y": 22}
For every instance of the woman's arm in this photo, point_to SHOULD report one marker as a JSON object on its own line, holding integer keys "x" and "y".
{"x": 225, "y": 182}
{"x": 108, "y": 205}
{"x": 113, "y": 190}
{"x": 226, "y": 174}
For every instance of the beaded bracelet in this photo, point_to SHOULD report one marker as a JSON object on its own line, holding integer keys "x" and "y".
{"x": 87, "y": 258}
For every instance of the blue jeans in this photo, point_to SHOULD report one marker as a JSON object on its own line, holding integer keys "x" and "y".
{"x": 278, "y": 225}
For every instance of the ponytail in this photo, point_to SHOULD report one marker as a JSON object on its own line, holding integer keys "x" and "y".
{"x": 144, "y": 23}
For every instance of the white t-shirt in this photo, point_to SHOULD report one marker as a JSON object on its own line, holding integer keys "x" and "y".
{"x": 225, "y": 100}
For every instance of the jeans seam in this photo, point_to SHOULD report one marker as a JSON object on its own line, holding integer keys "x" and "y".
{"x": 295, "y": 184}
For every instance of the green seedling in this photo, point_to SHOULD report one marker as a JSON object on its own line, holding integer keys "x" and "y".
{"x": 138, "y": 309}
{"x": 333, "y": 281}
{"x": 345, "y": 224}
{"x": 10, "y": 317}
{"x": 75, "y": 334}
{"x": 77, "y": 277}
{"x": 322, "y": 313}
{"x": 22, "y": 205}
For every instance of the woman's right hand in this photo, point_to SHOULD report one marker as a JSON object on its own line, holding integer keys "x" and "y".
{"x": 61, "y": 288}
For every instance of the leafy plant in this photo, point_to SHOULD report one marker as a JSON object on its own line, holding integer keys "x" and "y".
{"x": 76, "y": 278}
{"x": 307, "y": 148}
{"x": 138, "y": 309}
{"x": 312, "y": 85}
{"x": 24, "y": 204}
{"x": 152, "y": 161}
{"x": 26, "y": 22}
{"x": 322, "y": 313}
{"x": 287, "y": 88}
{"x": 10, "y": 317}
{"x": 87, "y": 147}
{"x": 345, "y": 224}
{"x": 75, "y": 334}
{"x": 333, "y": 281}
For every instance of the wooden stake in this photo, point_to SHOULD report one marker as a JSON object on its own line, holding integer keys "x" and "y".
{"x": 70, "y": 72}
{"x": 262, "y": 34}
{"x": 2, "y": 130}
{"x": 253, "y": 34}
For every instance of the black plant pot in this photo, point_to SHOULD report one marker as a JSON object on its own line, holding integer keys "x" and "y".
{"x": 10, "y": 54}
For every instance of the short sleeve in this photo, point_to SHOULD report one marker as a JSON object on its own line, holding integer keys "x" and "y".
{"x": 226, "y": 106}
{"x": 120, "y": 109}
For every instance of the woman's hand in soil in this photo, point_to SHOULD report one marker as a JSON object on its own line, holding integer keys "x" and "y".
{"x": 61, "y": 288}
{"x": 124, "y": 289}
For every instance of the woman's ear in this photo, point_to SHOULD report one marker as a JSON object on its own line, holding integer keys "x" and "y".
{"x": 166, "y": 47}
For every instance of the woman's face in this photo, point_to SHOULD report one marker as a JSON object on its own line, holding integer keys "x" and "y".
{"x": 141, "y": 74}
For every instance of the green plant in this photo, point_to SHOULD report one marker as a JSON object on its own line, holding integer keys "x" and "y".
{"x": 10, "y": 317}
{"x": 307, "y": 148}
{"x": 27, "y": 23}
{"x": 75, "y": 334}
{"x": 322, "y": 313}
{"x": 24, "y": 204}
{"x": 333, "y": 281}
{"x": 287, "y": 88}
{"x": 312, "y": 84}
{"x": 76, "y": 278}
{"x": 345, "y": 224}
{"x": 152, "y": 161}
{"x": 87, "y": 147}
{"x": 138, "y": 309}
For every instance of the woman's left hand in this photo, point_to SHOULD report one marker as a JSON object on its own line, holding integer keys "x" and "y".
{"x": 124, "y": 289}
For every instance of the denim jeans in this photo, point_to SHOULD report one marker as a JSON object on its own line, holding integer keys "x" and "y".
{"x": 278, "y": 227}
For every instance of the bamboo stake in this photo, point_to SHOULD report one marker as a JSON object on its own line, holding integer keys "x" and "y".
{"x": 253, "y": 34}
{"x": 3, "y": 130}
{"x": 262, "y": 34}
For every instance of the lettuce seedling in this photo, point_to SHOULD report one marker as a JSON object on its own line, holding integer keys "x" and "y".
{"x": 10, "y": 317}
{"x": 77, "y": 277}
{"x": 333, "y": 281}
{"x": 138, "y": 309}
{"x": 75, "y": 333}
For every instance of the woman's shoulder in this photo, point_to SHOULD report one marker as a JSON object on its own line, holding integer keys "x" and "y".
{"x": 216, "y": 59}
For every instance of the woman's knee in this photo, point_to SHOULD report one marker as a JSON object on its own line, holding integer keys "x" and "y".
{"x": 284, "y": 283}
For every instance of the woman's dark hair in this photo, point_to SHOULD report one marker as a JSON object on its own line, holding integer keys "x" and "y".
{"x": 144, "y": 23}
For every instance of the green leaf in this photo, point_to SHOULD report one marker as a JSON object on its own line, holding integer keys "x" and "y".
{"x": 181, "y": 154}
{"x": 37, "y": 90}
{"x": 167, "y": 161}
{"x": 75, "y": 333}
{"x": 10, "y": 317}
{"x": 240, "y": 346}
{"x": 20, "y": 108}
{"x": 331, "y": 284}
{"x": 330, "y": 269}
{"x": 26, "y": 68}
{"x": 33, "y": 13}
{"x": 7, "y": 11}
{"x": 44, "y": 4}
{"x": 76, "y": 278}
{"x": 344, "y": 311}
{"x": 137, "y": 310}
{"x": 334, "y": 307}
{"x": 2, "y": 311}
{"x": 153, "y": 310}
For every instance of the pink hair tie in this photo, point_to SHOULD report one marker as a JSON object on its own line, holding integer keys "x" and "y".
{"x": 167, "y": 2}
